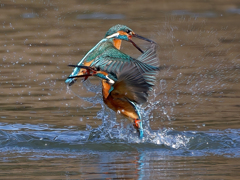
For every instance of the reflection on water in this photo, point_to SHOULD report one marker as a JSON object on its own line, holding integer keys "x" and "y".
{"x": 191, "y": 120}
{"x": 116, "y": 157}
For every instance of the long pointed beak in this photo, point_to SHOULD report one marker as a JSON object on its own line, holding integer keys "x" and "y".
{"x": 84, "y": 67}
{"x": 143, "y": 38}
{"x": 136, "y": 46}
{"x": 84, "y": 75}
{"x": 140, "y": 37}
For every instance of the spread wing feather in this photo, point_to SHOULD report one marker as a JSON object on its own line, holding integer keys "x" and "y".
{"x": 136, "y": 77}
{"x": 112, "y": 60}
{"x": 131, "y": 85}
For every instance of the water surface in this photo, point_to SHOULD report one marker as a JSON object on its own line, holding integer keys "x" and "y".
{"x": 191, "y": 119}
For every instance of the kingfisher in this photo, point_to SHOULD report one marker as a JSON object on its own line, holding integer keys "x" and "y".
{"x": 125, "y": 80}
{"x": 106, "y": 54}
{"x": 125, "y": 89}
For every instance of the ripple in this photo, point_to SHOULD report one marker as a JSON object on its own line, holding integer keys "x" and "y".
{"x": 187, "y": 143}
{"x": 100, "y": 16}
{"x": 29, "y": 15}
{"x": 193, "y": 14}
{"x": 233, "y": 11}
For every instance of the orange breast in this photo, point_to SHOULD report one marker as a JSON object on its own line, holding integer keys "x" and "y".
{"x": 117, "y": 43}
{"x": 105, "y": 89}
{"x": 121, "y": 105}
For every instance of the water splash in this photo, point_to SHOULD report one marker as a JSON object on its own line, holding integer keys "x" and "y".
{"x": 190, "y": 143}
{"x": 114, "y": 135}
{"x": 186, "y": 143}
{"x": 111, "y": 131}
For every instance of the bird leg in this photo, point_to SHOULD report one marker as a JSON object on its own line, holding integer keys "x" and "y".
{"x": 136, "y": 123}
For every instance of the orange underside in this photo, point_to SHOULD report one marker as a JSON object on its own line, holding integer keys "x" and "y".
{"x": 105, "y": 89}
{"x": 117, "y": 43}
{"x": 118, "y": 104}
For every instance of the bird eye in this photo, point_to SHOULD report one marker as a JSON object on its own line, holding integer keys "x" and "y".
{"x": 128, "y": 31}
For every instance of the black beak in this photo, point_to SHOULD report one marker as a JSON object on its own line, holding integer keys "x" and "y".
{"x": 136, "y": 46}
{"x": 140, "y": 37}
{"x": 84, "y": 67}
{"x": 84, "y": 75}
{"x": 143, "y": 38}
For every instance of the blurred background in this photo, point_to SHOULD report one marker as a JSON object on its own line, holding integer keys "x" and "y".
{"x": 49, "y": 131}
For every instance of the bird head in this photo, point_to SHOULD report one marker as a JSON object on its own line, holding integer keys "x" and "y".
{"x": 122, "y": 32}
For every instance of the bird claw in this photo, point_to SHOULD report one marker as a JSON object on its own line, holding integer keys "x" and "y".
{"x": 138, "y": 125}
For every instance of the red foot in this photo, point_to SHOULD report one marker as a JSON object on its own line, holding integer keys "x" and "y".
{"x": 136, "y": 123}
